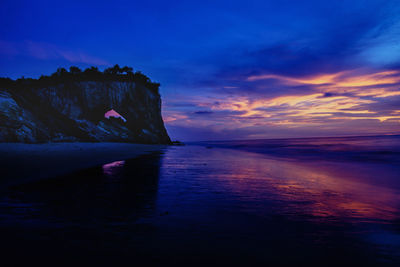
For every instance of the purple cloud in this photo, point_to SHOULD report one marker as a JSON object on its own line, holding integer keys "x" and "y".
{"x": 47, "y": 51}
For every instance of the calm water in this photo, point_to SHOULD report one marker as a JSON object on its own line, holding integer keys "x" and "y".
{"x": 319, "y": 201}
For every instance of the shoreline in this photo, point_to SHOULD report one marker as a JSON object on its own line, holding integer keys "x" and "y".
{"x": 22, "y": 163}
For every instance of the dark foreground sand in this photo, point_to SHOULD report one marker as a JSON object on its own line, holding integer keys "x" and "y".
{"x": 20, "y": 163}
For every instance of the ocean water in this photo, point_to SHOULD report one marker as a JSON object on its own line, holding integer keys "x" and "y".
{"x": 318, "y": 201}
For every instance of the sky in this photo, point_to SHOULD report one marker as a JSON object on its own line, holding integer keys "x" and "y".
{"x": 228, "y": 69}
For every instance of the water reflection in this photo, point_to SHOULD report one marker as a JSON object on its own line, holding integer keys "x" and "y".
{"x": 294, "y": 211}
{"x": 91, "y": 196}
{"x": 194, "y": 205}
{"x": 384, "y": 149}
{"x": 294, "y": 188}
{"x": 87, "y": 218}
{"x": 113, "y": 167}
{"x": 317, "y": 189}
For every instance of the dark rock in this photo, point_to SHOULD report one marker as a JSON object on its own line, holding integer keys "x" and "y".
{"x": 178, "y": 143}
{"x": 74, "y": 111}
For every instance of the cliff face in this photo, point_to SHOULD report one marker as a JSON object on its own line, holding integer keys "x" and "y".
{"x": 74, "y": 111}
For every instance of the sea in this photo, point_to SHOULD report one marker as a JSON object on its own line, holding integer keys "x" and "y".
{"x": 281, "y": 202}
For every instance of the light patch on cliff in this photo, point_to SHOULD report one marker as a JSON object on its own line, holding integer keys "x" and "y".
{"x": 113, "y": 114}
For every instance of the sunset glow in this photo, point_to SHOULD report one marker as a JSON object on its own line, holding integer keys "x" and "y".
{"x": 330, "y": 100}
{"x": 259, "y": 70}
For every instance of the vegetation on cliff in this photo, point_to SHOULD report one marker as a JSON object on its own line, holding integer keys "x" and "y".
{"x": 75, "y": 74}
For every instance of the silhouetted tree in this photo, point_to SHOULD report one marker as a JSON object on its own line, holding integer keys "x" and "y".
{"x": 114, "y": 70}
{"x": 61, "y": 72}
{"x": 92, "y": 73}
{"x": 5, "y": 83}
{"x": 75, "y": 74}
{"x": 75, "y": 70}
{"x": 127, "y": 70}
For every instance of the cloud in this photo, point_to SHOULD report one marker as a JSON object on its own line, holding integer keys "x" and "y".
{"x": 377, "y": 84}
{"x": 203, "y": 112}
{"x": 47, "y": 51}
{"x": 331, "y": 100}
{"x": 8, "y": 49}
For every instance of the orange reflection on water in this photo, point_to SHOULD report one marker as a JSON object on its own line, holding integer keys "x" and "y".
{"x": 319, "y": 189}
{"x": 113, "y": 167}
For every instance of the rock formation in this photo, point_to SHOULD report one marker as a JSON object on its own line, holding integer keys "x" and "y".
{"x": 74, "y": 110}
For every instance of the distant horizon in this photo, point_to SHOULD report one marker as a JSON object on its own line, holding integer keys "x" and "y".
{"x": 240, "y": 139}
{"x": 310, "y": 137}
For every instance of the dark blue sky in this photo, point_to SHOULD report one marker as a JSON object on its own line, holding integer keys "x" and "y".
{"x": 228, "y": 69}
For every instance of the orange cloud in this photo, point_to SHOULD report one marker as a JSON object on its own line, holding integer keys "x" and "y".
{"x": 304, "y": 107}
{"x": 173, "y": 117}
{"x": 333, "y": 99}
{"x": 341, "y": 79}
{"x": 320, "y": 79}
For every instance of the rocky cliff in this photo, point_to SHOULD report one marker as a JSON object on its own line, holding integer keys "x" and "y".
{"x": 74, "y": 110}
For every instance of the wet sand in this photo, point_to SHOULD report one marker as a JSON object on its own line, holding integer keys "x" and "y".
{"x": 21, "y": 163}
{"x": 194, "y": 206}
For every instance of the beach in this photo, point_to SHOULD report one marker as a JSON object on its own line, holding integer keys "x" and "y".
{"x": 308, "y": 202}
{"x": 21, "y": 163}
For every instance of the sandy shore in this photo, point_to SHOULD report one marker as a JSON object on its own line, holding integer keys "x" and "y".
{"x": 20, "y": 163}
